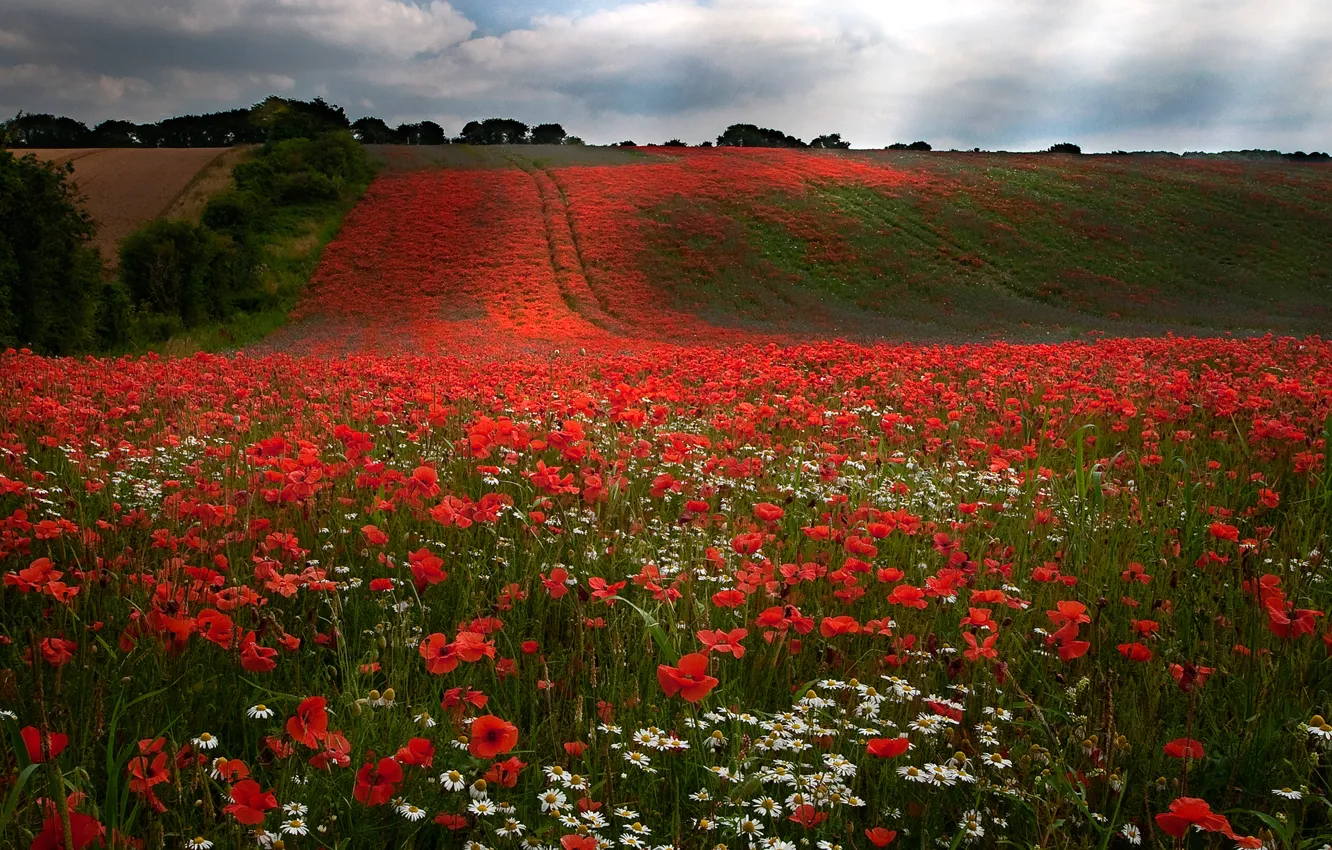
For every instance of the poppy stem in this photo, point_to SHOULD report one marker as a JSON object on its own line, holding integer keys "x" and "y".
{"x": 57, "y": 778}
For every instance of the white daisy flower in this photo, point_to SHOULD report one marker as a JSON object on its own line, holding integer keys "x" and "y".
{"x": 198, "y": 842}
{"x": 295, "y": 826}
{"x": 482, "y": 808}
{"x": 295, "y": 810}
{"x": 1131, "y": 834}
{"x": 511, "y": 828}
{"x": 205, "y": 741}
{"x": 259, "y": 712}
{"x": 452, "y": 780}
{"x": 411, "y": 812}
{"x": 1287, "y": 793}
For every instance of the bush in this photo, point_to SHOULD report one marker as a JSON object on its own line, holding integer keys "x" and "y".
{"x": 1065, "y": 147}
{"x": 234, "y": 213}
{"x": 50, "y": 275}
{"x": 304, "y": 170}
{"x": 165, "y": 267}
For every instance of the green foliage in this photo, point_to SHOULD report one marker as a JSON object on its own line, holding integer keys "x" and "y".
{"x": 494, "y": 131}
{"x": 166, "y": 265}
{"x": 50, "y": 275}
{"x": 548, "y": 134}
{"x": 296, "y": 171}
{"x": 239, "y": 269}
{"x": 832, "y": 140}
{"x": 750, "y": 136}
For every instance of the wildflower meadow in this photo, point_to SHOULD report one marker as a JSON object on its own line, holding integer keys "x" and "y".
{"x": 574, "y": 578}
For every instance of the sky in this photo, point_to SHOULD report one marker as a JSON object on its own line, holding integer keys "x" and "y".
{"x": 996, "y": 74}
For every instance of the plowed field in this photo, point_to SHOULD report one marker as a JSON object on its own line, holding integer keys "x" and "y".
{"x": 125, "y": 187}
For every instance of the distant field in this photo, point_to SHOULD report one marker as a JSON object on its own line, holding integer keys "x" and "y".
{"x": 605, "y": 245}
{"x": 125, "y": 187}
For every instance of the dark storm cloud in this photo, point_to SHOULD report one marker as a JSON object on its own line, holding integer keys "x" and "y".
{"x": 994, "y": 73}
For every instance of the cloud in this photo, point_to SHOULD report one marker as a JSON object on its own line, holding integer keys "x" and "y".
{"x": 1202, "y": 74}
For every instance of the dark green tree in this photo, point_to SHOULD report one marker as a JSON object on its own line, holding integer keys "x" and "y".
{"x": 50, "y": 274}
{"x": 1065, "y": 147}
{"x": 548, "y": 134}
{"x": 42, "y": 130}
{"x": 751, "y": 136}
{"x": 422, "y": 133}
{"x": 832, "y": 140}
{"x": 374, "y": 131}
{"x": 494, "y": 131}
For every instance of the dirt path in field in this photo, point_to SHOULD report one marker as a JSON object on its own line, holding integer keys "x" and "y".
{"x": 124, "y": 187}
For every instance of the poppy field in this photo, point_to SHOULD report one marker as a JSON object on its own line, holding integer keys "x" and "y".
{"x": 500, "y": 544}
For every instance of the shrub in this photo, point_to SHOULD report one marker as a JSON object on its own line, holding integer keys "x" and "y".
{"x": 1065, "y": 147}
{"x": 50, "y": 275}
{"x": 234, "y": 213}
{"x": 165, "y": 267}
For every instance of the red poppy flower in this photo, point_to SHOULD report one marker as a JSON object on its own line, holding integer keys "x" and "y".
{"x": 373, "y": 535}
{"x": 690, "y": 679}
{"x": 887, "y": 747}
{"x": 1182, "y": 748}
{"x": 438, "y": 654}
{"x": 375, "y": 784}
{"x": 248, "y": 802}
{"x": 32, "y": 739}
{"x": 57, "y": 651}
{"x": 723, "y": 641}
{"x": 1191, "y": 811}
{"x": 1135, "y": 651}
{"x": 578, "y": 842}
{"x": 419, "y": 753}
{"x": 309, "y": 725}
{"x": 768, "y": 512}
{"x": 83, "y": 831}
{"x": 492, "y": 736}
{"x": 451, "y": 821}
{"x": 881, "y": 837}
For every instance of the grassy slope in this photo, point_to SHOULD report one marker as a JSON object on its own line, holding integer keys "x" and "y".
{"x": 1025, "y": 246}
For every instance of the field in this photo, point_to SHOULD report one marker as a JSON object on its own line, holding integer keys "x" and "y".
{"x": 557, "y": 244}
{"x": 124, "y": 187}
{"x": 556, "y": 518}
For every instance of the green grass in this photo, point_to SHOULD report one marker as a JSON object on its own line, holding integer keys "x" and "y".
{"x": 1014, "y": 245}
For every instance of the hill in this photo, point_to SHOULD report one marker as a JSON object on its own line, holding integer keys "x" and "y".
{"x": 524, "y": 243}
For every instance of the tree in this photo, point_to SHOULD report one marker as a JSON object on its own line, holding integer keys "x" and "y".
{"x": 750, "y": 136}
{"x": 284, "y": 118}
{"x": 117, "y": 134}
{"x": 494, "y": 131}
{"x": 627, "y": 144}
{"x": 374, "y": 131}
{"x": 832, "y": 140}
{"x": 674, "y": 143}
{"x": 1065, "y": 147}
{"x": 573, "y": 140}
{"x": 50, "y": 274}
{"x": 548, "y": 134}
{"x": 422, "y": 133}
{"x": 914, "y": 146}
{"x": 43, "y": 130}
